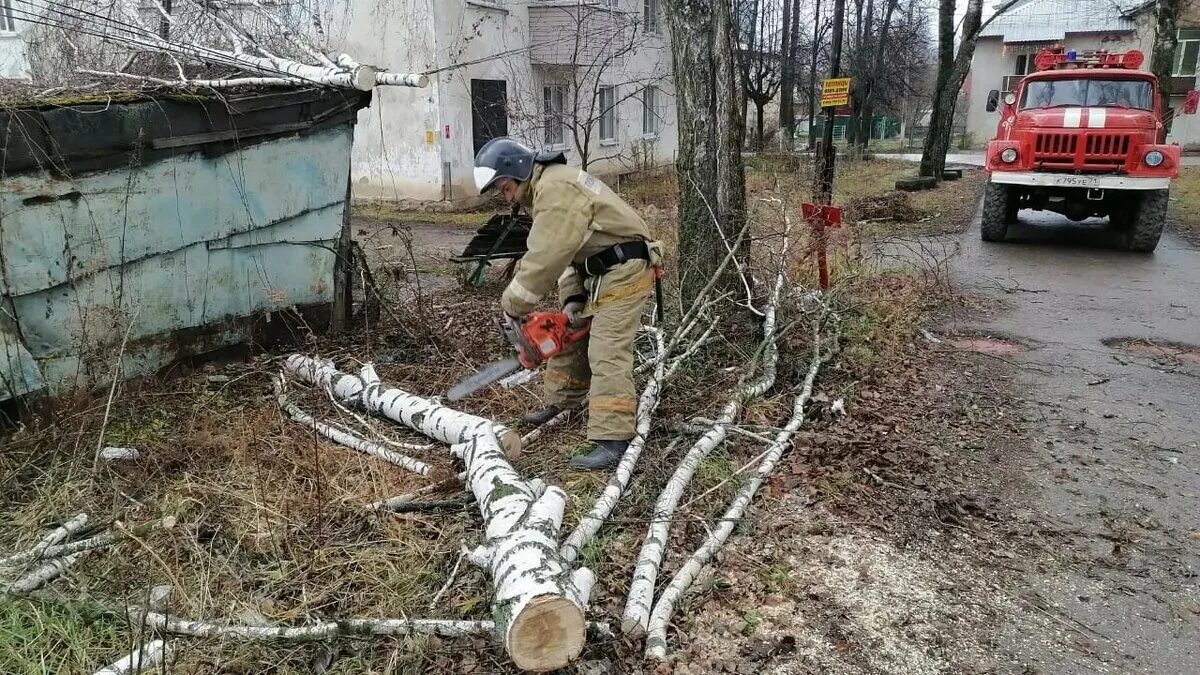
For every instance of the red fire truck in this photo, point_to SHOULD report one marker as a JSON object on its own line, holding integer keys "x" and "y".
{"x": 1083, "y": 136}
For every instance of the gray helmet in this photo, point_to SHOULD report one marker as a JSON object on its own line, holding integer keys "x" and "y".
{"x": 502, "y": 158}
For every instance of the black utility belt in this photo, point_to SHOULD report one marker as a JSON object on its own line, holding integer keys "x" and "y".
{"x": 602, "y": 262}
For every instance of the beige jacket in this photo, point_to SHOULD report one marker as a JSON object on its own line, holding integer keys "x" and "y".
{"x": 575, "y": 215}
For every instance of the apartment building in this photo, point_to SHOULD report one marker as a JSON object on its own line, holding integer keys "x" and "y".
{"x": 588, "y": 77}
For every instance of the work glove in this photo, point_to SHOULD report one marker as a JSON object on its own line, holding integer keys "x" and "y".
{"x": 574, "y": 308}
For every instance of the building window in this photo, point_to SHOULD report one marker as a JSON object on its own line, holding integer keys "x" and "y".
{"x": 650, "y": 16}
{"x": 608, "y": 113}
{"x": 8, "y": 24}
{"x": 1186, "y": 51}
{"x": 652, "y": 110}
{"x": 554, "y": 106}
{"x": 1026, "y": 64}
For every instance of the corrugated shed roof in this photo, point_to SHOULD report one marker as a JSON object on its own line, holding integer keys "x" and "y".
{"x": 1051, "y": 20}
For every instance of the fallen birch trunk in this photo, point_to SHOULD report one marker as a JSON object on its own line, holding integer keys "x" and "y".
{"x": 149, "y": 655}
{"x": 656, "y": 642}
{"x": 324, "y": 630}
{"x": 538, "y": 602}
{"x": 344, "y": 438}
{"x": 426, "y": 416}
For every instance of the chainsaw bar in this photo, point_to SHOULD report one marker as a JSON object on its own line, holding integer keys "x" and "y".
{"x": 483, "y": 377}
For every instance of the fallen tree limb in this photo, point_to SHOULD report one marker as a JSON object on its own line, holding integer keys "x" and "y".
{"x": 641, "y": 590}
{"x": 656, "y": 643}
{"x": 44, "y": 574}
{"x": 401, "y": 500}
{"x": 149, "y": 655}
{"x": 101, "y": 540}
{"x": 56, "y": 536}
{"x": 428, "y": 417}
{"x": 590, "y": 524}
{"x": 538, "y": 602}
{"x": 345, "y": 438}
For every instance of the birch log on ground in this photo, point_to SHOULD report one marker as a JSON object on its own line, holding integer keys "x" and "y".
{"x": 636, "y": 617}
{"x": 424, "y": 415}
{"x": 325, "y": 630}
{"x": 656, "y": 642}
{"x": 148, "y": 656}
{"x": 538, "y": 601}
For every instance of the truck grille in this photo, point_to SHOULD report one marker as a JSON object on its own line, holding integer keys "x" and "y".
{"x": 1055, "y": 146}
{"x": 1082, "y": 151}
{"x": 1107, "y": 146}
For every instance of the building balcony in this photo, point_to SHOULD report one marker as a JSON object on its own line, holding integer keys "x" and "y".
{"x": 573, "y": 33}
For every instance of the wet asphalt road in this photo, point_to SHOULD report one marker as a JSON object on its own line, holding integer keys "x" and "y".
{"x": 1114, "y": 464}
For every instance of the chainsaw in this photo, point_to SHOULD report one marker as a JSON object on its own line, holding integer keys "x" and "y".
{"x": 538, "y": 338}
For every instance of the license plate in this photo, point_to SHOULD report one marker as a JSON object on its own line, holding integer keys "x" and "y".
{"x": 1076, "y": 181}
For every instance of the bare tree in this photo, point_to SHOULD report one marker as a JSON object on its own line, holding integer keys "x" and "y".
{"x": 712, "y": 181}
{"x": 762, "y": 62}
{"x": 952, "y": 68}
{"x": 787, "y": 88}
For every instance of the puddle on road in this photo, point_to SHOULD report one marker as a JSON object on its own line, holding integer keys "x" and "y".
{"x": 1163, "y": 351}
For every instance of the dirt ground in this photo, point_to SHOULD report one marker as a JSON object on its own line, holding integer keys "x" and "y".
{"x": 1009, "y": 491}
{"x": 1071, "y": 437}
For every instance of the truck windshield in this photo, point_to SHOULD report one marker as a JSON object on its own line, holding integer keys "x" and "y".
{"x": 1088, "y": 92}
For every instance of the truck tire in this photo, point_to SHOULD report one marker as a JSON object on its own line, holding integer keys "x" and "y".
{"x": 1147, "y": 222}
{"x": 998, "y": 214}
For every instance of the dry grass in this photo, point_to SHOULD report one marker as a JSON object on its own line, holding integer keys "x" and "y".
{"x": 270, "y": 526}
{"x": 1185, "y": 202}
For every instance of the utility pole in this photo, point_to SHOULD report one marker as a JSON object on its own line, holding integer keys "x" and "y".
{"x": 825, "y": 158}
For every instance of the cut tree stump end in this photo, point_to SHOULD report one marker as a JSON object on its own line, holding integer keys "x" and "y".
{"x": 511, "y": 442}
{"x": 547, "y": 635}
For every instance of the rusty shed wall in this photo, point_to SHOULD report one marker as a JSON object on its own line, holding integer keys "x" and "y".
{"x": 158, "y": 248}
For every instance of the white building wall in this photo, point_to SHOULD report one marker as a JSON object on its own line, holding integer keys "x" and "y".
{"x": 14, "y": 64}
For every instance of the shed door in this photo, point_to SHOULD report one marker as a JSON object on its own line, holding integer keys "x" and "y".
{"x": 489, "y": 110}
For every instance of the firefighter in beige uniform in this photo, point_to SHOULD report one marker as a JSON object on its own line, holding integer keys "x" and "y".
{"x": 599, "y": 252}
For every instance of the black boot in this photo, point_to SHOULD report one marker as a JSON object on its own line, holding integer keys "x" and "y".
{"x": 539, "y": 417}
{"x": 605, "y": 455}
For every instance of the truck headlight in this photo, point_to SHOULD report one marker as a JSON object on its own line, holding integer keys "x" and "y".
{"x": 1154, "y": 158}
{"x": 1009, "y": 155}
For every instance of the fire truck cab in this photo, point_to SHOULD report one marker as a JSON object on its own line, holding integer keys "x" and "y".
{"x": 1083, "y": 136}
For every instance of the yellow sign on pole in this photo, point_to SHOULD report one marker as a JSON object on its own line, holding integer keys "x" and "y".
{"x": 835, "y": 93}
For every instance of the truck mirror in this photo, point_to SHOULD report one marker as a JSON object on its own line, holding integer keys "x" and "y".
{"x": 1191, "y": 102}
{"x": 993, "y": 100}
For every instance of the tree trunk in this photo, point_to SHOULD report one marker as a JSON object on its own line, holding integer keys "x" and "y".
{"x": 787, "y": 84}
{"x": 709, "y": 160}
{"x": 812, "y": 75}
{"x": 759, "y": 142}
{"x": 1162, "y": 59}
{"x": 952, "y": 71}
